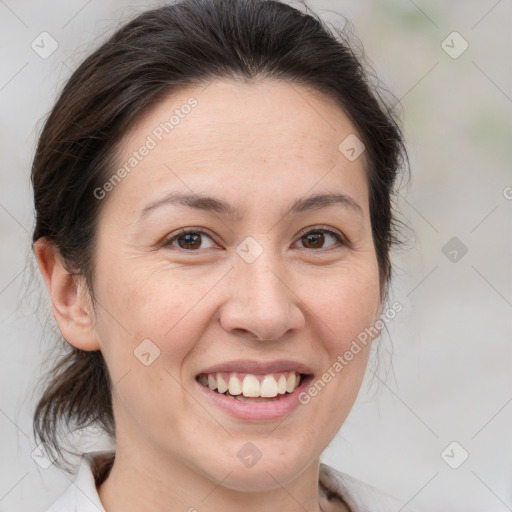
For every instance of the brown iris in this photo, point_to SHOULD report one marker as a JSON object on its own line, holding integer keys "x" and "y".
{"x": 192, "y": 241}
{"x": 316, "y": 238}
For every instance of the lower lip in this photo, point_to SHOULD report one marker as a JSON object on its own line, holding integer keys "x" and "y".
{"x": 262, "y": 411}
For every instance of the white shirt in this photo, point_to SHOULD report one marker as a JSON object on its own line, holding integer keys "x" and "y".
{"x": 82, "y": 496}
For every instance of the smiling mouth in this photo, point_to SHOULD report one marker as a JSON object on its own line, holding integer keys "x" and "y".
{"x": 251, "y": 387}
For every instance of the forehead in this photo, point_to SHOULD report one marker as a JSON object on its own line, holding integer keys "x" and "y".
{"x": 227, "y": 136}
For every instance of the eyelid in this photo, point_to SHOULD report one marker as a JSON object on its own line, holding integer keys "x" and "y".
{"x": 166, "y": 242}
{"x": 312, "y": 229}
{"x": 320, "y": 227}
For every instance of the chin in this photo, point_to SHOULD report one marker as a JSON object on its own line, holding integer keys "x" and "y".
{"x": 266, "y": 473}
{"x": 259, "y": 479}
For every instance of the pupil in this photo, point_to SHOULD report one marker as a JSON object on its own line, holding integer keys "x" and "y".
{"x": 315, "y": 238}
{"x": 190, "y": 240}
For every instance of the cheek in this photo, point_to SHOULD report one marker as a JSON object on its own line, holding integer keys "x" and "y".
{"x": 153, "y": 324}
{"x": 345, "y": 306}
{"x": 347, "y": 302}
{"x": 163, "y": 306}
{"x": 138, "y": 294}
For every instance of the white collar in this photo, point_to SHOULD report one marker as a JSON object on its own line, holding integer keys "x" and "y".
{"x": 81, "y": 495}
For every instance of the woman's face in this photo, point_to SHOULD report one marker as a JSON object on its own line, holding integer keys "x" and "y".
{"x": 254, "y": 282}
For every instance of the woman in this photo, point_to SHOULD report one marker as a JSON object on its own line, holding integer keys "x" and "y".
{"x": 213, "y": 196}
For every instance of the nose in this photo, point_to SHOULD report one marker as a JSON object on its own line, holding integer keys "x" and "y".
{"x": 263, "y": 303}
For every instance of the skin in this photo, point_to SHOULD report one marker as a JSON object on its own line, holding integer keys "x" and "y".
{"x": 260, "y": 147}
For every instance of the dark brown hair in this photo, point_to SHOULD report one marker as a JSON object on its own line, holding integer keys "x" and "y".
{"x": 186, "y": 43}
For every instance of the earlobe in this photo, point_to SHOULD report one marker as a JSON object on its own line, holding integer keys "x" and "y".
{"x": 68, "y": 296}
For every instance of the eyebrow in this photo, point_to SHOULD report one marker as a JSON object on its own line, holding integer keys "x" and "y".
{"x": 221, "y": 207}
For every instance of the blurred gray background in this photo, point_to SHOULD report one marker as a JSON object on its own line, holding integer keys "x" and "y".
{"x": 433, "y": 425}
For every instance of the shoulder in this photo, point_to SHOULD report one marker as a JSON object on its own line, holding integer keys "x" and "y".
{"x": 359, "y": 496}
{"x": 81, "y": 495}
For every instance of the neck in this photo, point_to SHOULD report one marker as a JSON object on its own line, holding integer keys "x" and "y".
{"x": 156, "y": 485}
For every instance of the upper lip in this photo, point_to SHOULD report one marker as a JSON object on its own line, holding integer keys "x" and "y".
{"x": 259, "y": 367}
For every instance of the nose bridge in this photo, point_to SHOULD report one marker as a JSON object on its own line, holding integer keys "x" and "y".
{"x": 262, "y": 282}
{"x": 261, "y": 302}
{"x": 261, "y": 285}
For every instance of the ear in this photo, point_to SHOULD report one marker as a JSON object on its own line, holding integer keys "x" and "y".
{"x": 70, "y": 301}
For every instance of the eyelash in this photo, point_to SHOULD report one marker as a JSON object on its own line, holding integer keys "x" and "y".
{"x": 320, "y": 229}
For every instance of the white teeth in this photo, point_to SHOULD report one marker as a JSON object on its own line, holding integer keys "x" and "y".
{"x": 268, "y": 386}
{"x": 281, "y": 385}
{"x": 234, "y": 386}
{"x": 290, "y": 382}
{"x": 212, "y": 382}
{"x": 222, "y": 385}
{"x": 250, "y": 386}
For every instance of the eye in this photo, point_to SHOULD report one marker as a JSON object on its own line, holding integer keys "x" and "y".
{"x": 315, "y": 238}
{"x": 192, "y": 240}
{"x": 188, "y": 239}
